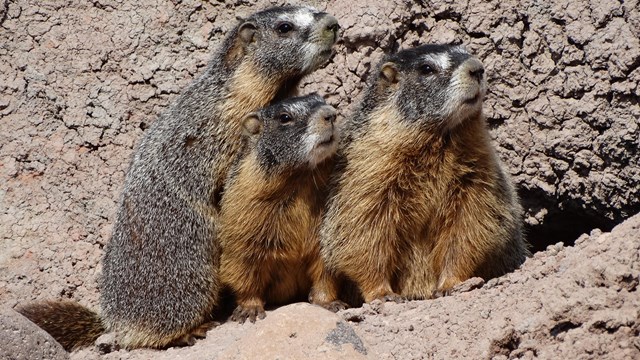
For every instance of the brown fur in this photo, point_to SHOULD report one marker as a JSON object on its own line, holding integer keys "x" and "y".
{"x": 248, "y": 91}
{"x": 407, "y": 188}
{"x": 273, "y": 206}
{"x": 269, "y": 227}
{"x": 419, "y": 209}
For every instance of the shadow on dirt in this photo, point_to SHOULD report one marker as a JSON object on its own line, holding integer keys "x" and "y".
{"x": 561, "y": 225}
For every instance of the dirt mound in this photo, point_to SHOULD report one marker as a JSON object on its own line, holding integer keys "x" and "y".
{"x": 564, "y": 303}
{"x": 80, "y": 81}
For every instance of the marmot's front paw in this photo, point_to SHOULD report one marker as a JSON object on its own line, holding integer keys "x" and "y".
{"x": 251, "y": 312}
{"x": 334, "y": 306}
{"x": 384, "y": 295}
{"x": 440, "y": 293}
{"x": 393, "y": 297}
{"x": 446, "y": 286}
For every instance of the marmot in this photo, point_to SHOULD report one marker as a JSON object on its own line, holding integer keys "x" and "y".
{"x": 161, "y": 279}
{"x": 420, "y": 201}
{"x": 273, "y": 205}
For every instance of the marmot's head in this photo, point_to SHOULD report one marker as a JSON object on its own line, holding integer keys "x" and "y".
{"x": 290, "y": 41}
{"x": 294, "y": 133}
{"x": 439, "y": 85}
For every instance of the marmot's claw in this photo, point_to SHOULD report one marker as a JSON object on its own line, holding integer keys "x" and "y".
{"x": 335, "y": 306}
{"x": 242, "y": 313}
{"x": 201, "y": 331}
{"x": 394, "y": 297}
{"x": 440, "y": 293}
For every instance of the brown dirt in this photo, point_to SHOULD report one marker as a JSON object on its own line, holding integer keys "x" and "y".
{"x": 80, "y": 81}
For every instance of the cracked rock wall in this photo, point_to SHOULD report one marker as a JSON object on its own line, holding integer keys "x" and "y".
{"x": 80, "y": 81}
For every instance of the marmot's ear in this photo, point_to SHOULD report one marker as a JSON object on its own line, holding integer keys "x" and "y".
{"x": 247, "y": 32}
{"x": 245, "y": 35}
{"x": 389, "y": 72}
{"x": 251, "y": 125}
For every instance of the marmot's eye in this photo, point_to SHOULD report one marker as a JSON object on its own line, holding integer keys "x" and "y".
{"x": 285, "y": 27}
{"x": 427, "y": 69}
{"x": 285, "y": 118}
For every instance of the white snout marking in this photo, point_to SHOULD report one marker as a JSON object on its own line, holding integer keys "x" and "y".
{"x": 318, "y": 132}
{"x": 442, "y": 61}
{"x": 310, "y": 51}
{"x": 303, "y": 18}
{"x": 314, "y": 152}
{"x": 311, "y": 141}
{"x": 460, "y": 50}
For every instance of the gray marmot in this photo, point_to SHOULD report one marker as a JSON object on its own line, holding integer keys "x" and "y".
{"x": 273, "y": 205}
{"x": 161, "y": 278}
{"x": 420, "y": 201}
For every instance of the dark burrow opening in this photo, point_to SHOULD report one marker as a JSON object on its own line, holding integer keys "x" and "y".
{"x": 563, "y": 225}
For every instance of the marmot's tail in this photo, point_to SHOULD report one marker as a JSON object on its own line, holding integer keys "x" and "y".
{"x": 71, "y": 324}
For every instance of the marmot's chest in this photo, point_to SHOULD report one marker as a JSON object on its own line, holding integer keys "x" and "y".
{"x": 292, "y": 226}
{"x": 410, "y": 187}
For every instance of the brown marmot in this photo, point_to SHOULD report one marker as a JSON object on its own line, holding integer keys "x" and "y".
{"x": 420, "y": 201}
{"x": 161, "y": 278}
{"x": 273, "y": 205}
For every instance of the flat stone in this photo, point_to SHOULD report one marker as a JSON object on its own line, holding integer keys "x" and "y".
{"x": 20, "y": 339}
{"x": 299, "y": 331}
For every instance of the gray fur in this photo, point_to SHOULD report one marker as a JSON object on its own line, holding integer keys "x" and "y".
{"x": 280, "y": 145}
{"x": 432, "y": 90}
{"x": 160, "y": 271}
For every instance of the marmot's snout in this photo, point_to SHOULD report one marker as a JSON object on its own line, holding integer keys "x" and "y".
{"x": 331, "y": 28}
{"x": 326, "y": 30}
{"x": 471, "y": 77}
{"x": 322, "y": 124}
{"x": 322, "y": 134}
{"x": 318, "y": 48}
{"x": 477, "y": 73}
{"x": 474, "y": 69}
{"x": 326, "y": 114}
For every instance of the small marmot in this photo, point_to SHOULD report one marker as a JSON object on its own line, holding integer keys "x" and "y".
{"x": 420, "y": 201}
{"x": 273, "y": 205}
{"x": 161, "y": 278}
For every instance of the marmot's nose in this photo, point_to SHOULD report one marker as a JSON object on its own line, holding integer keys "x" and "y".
{"x": 335, "y": 27}
{"x": 477, "y": 73}
{"x": 331, "y": 25}
{"x": 475, "y": 69}
{"x": 327, "y": 113}
{"x": 330, "y": 118}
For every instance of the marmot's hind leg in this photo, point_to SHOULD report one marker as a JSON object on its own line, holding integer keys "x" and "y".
{"x": 190, "y": 338}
